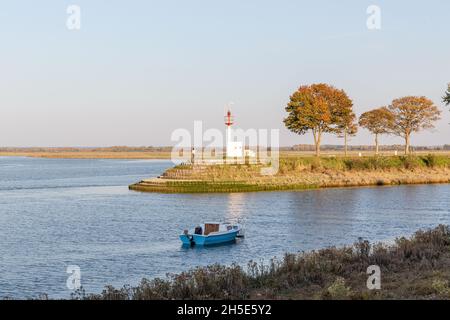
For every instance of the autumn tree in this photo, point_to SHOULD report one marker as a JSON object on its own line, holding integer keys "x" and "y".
{"x": 446, "y": 98}
{"x": 319, "y": 108}
{"x": 346, "y": 121}
{"x": 412, "y": 114}
{"x": 378, "y": 121}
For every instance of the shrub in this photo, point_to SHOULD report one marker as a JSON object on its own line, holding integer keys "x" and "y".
{"x": 338, "y": 290}
{"x": 430, "y": 160}
{"x": 441, "y": 287}
{"x": 411, "y": 162}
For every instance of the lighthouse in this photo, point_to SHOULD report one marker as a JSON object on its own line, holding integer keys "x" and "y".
{"x": 228, "y": 124}
{"x": 234, "y": 148}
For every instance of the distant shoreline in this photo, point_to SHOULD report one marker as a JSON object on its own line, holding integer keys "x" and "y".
{"x": 165, "y": 153}
{"x": 139, "y": 155}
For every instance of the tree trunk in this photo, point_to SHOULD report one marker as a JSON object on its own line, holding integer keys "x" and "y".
{"x": 345, "y": 142}
{"x": 376, "y": 144}
{"x": 407, "y": 141}
{"x": 317, "y": 137}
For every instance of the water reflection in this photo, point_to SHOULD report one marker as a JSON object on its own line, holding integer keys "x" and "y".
{"x": 235, "y": 207}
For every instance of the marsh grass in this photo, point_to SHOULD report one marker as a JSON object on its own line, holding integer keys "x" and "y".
{"x": 332, "y": 273}
{"x": 292, "y": 164}
{"x": 298, "y": 173}
{"x": 296, "y": 165}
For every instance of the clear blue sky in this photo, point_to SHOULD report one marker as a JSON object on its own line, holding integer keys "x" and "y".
{"x": 137, "y": 70}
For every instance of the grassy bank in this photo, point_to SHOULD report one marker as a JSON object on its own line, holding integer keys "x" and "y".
{"x": 415, "y": 268}
{"x": 297, "y": 173}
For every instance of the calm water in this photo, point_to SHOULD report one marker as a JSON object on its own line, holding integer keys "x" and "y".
{"x": 55, "y": 213}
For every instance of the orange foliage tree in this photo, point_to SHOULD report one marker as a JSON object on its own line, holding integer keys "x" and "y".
{"x": 319, "y": 108}
{"x": 412, "y": 114}
{"x": 346, "y": 121}
{"x": 377, "y": 121}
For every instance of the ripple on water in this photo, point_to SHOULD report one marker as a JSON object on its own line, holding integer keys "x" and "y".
{"x": 80, "y": 212}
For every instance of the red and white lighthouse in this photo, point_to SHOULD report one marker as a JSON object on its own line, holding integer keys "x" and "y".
{"x": 228, "y": 123}
{"x": 234, "y": 148}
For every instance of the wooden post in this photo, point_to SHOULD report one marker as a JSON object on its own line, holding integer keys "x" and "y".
{"x": 345, "y": 139}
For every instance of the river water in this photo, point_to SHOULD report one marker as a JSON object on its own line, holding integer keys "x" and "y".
{"x": 56, "y": 213}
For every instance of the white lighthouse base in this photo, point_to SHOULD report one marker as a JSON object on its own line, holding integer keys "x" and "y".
{"x": 235, "y": 149}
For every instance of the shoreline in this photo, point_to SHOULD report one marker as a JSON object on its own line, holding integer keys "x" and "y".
{"x": 301, "y": 174}
{"x": 145, "y": 188}
{"x": 91, "y": 155}
{"x": 411, "y": 267}
{"x": 296, "y": 172}
{"x": 165, "y": 153}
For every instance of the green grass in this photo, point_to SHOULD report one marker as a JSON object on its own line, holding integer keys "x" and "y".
{"x": 289, "y": 165}
{"x": 292, "y": 164}
{"x": 217, "y": 187}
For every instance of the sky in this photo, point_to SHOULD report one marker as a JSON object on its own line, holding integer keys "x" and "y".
{"x": 137, "y": 70}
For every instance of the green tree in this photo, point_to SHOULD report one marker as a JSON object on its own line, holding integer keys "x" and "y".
{"x": 446, "y": 98}
{"x": 317, "y": 108}
{"x": 412, "y": 114}
{"x": 377, "y": 121}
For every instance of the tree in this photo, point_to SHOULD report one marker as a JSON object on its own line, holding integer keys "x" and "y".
{"x": 378, "y": 121}
{"x": 446, "y": 98}
{"x": 317, "y": 107}
{"x": 412, "y": 114}
{"x": 345, "y": 119}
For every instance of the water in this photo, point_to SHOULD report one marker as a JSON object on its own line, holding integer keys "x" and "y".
{"x": 57, "y": 212}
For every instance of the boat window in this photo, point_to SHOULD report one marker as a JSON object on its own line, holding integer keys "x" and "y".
{"x": 211, "y": 227}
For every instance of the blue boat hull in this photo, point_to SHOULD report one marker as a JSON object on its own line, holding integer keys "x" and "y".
{"x": 201, "y": 240}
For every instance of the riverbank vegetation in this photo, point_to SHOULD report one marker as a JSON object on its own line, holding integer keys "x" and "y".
{"x": 297, "y": 173}
{"x": 415, "y": 268}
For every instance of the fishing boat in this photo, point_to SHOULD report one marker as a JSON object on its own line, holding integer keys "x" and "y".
{"x": 211, "y": 234}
